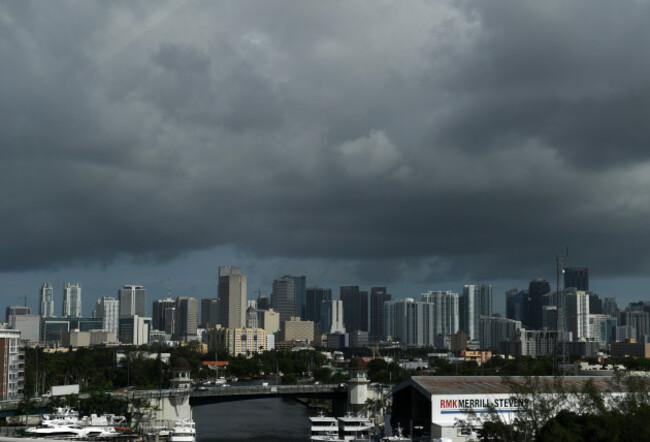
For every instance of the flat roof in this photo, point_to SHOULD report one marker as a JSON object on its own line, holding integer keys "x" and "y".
{"x": 430, "y": 385}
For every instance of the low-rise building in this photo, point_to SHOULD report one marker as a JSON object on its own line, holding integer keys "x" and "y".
{"x": 246, "y": 341}
{"x": 630, "y": 348}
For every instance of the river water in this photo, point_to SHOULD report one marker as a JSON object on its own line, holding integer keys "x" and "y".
{"x": 260, "y": 420}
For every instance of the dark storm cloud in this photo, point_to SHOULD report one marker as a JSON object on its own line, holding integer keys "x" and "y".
{"x": 422, "y": 140}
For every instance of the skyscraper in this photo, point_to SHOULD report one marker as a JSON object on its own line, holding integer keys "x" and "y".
{"x": 283, "y": 297}
{"x": 378, "y": 296}
{"x": 300, "y": 294}
{"x": 133, "y": 301}
{"x": 46, "y": 308}
{"x": 577, "y": 278}
{"x": 187, "y": 319}
{"x": 355, "y": 308}
{"x": 164, "y": 311}
{"x": 232, "y": 297}
{"x": 315, "y": 298}
{"x": 475, "y": 302}
{"x": 332, "y": 317}
{"x": 446, "y": 314}
{"x": 72, "y": 300}
{"x": 537, "y": 288}
{"x": 108, "y": 309}
{"x": 410, "y": 322}
{"x": 207, "y": 314}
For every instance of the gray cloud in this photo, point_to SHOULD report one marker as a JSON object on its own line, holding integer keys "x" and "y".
{"x": 429, "y": 140}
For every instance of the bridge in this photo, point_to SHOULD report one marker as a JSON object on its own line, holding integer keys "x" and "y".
{"x": 336, "y": 392}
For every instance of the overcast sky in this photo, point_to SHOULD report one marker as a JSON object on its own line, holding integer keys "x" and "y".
{"x": 417, "y": 145}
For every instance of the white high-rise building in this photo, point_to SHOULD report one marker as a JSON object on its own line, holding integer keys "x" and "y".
{"x": 232, "y": 297}
{"x": 577, "y": 313}
{"x": 108, "y": 308}
{"x": 475, "y": 302}
{"x": 597, "y": 327}
{"x": 332, "y": 317}
{"x": 46, "y": 309}
{"x": 72, "y": 300}
{"x": 410, "y": 322}
{"x": 446, "y": 314}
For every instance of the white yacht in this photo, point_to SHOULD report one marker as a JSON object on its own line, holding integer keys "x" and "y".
{"x": 324, "y": 428}
{"x": 184, "y": 431}
{"x": 353, "y": 428}
{"x": 72, "y": 431}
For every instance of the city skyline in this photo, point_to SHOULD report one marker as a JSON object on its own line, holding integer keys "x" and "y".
{"x": 420, "y": 146}
{"x": 162, "y": 291}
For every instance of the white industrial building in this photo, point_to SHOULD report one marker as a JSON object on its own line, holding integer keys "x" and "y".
{"x": 431, "y": 408}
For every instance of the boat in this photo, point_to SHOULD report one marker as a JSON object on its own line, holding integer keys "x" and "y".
{"x": 65, "y": 423}
{"x": 73, "y": 431}
{"x": 353, "y": 428}
{"x": 184, "y": 431}
{"x": 324, "y": 428}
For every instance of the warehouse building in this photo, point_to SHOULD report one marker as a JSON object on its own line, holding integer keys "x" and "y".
{"x": 431, "y": 407}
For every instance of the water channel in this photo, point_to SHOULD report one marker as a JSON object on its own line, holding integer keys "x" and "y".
{"x": 268, "y": 420}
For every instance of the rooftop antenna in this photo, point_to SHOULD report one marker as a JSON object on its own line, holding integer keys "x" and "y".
{"x": 25, "y": 298}
{"x": 561, "y": 359}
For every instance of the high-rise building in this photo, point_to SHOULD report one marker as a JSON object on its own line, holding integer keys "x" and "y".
{"x": 410, "y": 322}
{"x": 213, "y": 317}
{"x": 164, "y": 311}
{"x": 537, "y": 288}
{"x": 269, "y": 320}
{"x": 315, "y": 297}
{"x": 72, "y": 300}
{"x": 446, "y": 313}
{"x": 495, "y": 329}
{"x": 133, "y": 300}
{"x": 610, "y": 308}
{"x": 187, "y": 319}
{"x": 12, "y": 366}
{"x": 595, "y": 304}
{"x": 639, "y": 321}
{"x": 576, "y": 278}
{"x": 251, "y": 317}
{"x": 577, "y": 313}
{"x": 232, "y": 297}
{"x": 134, "y": 330}
{"x": 46, "y": 306}
{"x": 355, "y": 308}
{"x": 378, "y": 296}
{"x": 476, "y": 301}
{"x": 300, "y": 294}
{"x": 108, "y": 309}
{"x": 207, "y": 312}
{"x": 296, "y": 330}
{"x": 263, "y": 303}
{"x": 283, "y": 297}
{"x": 331, "y": 320}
